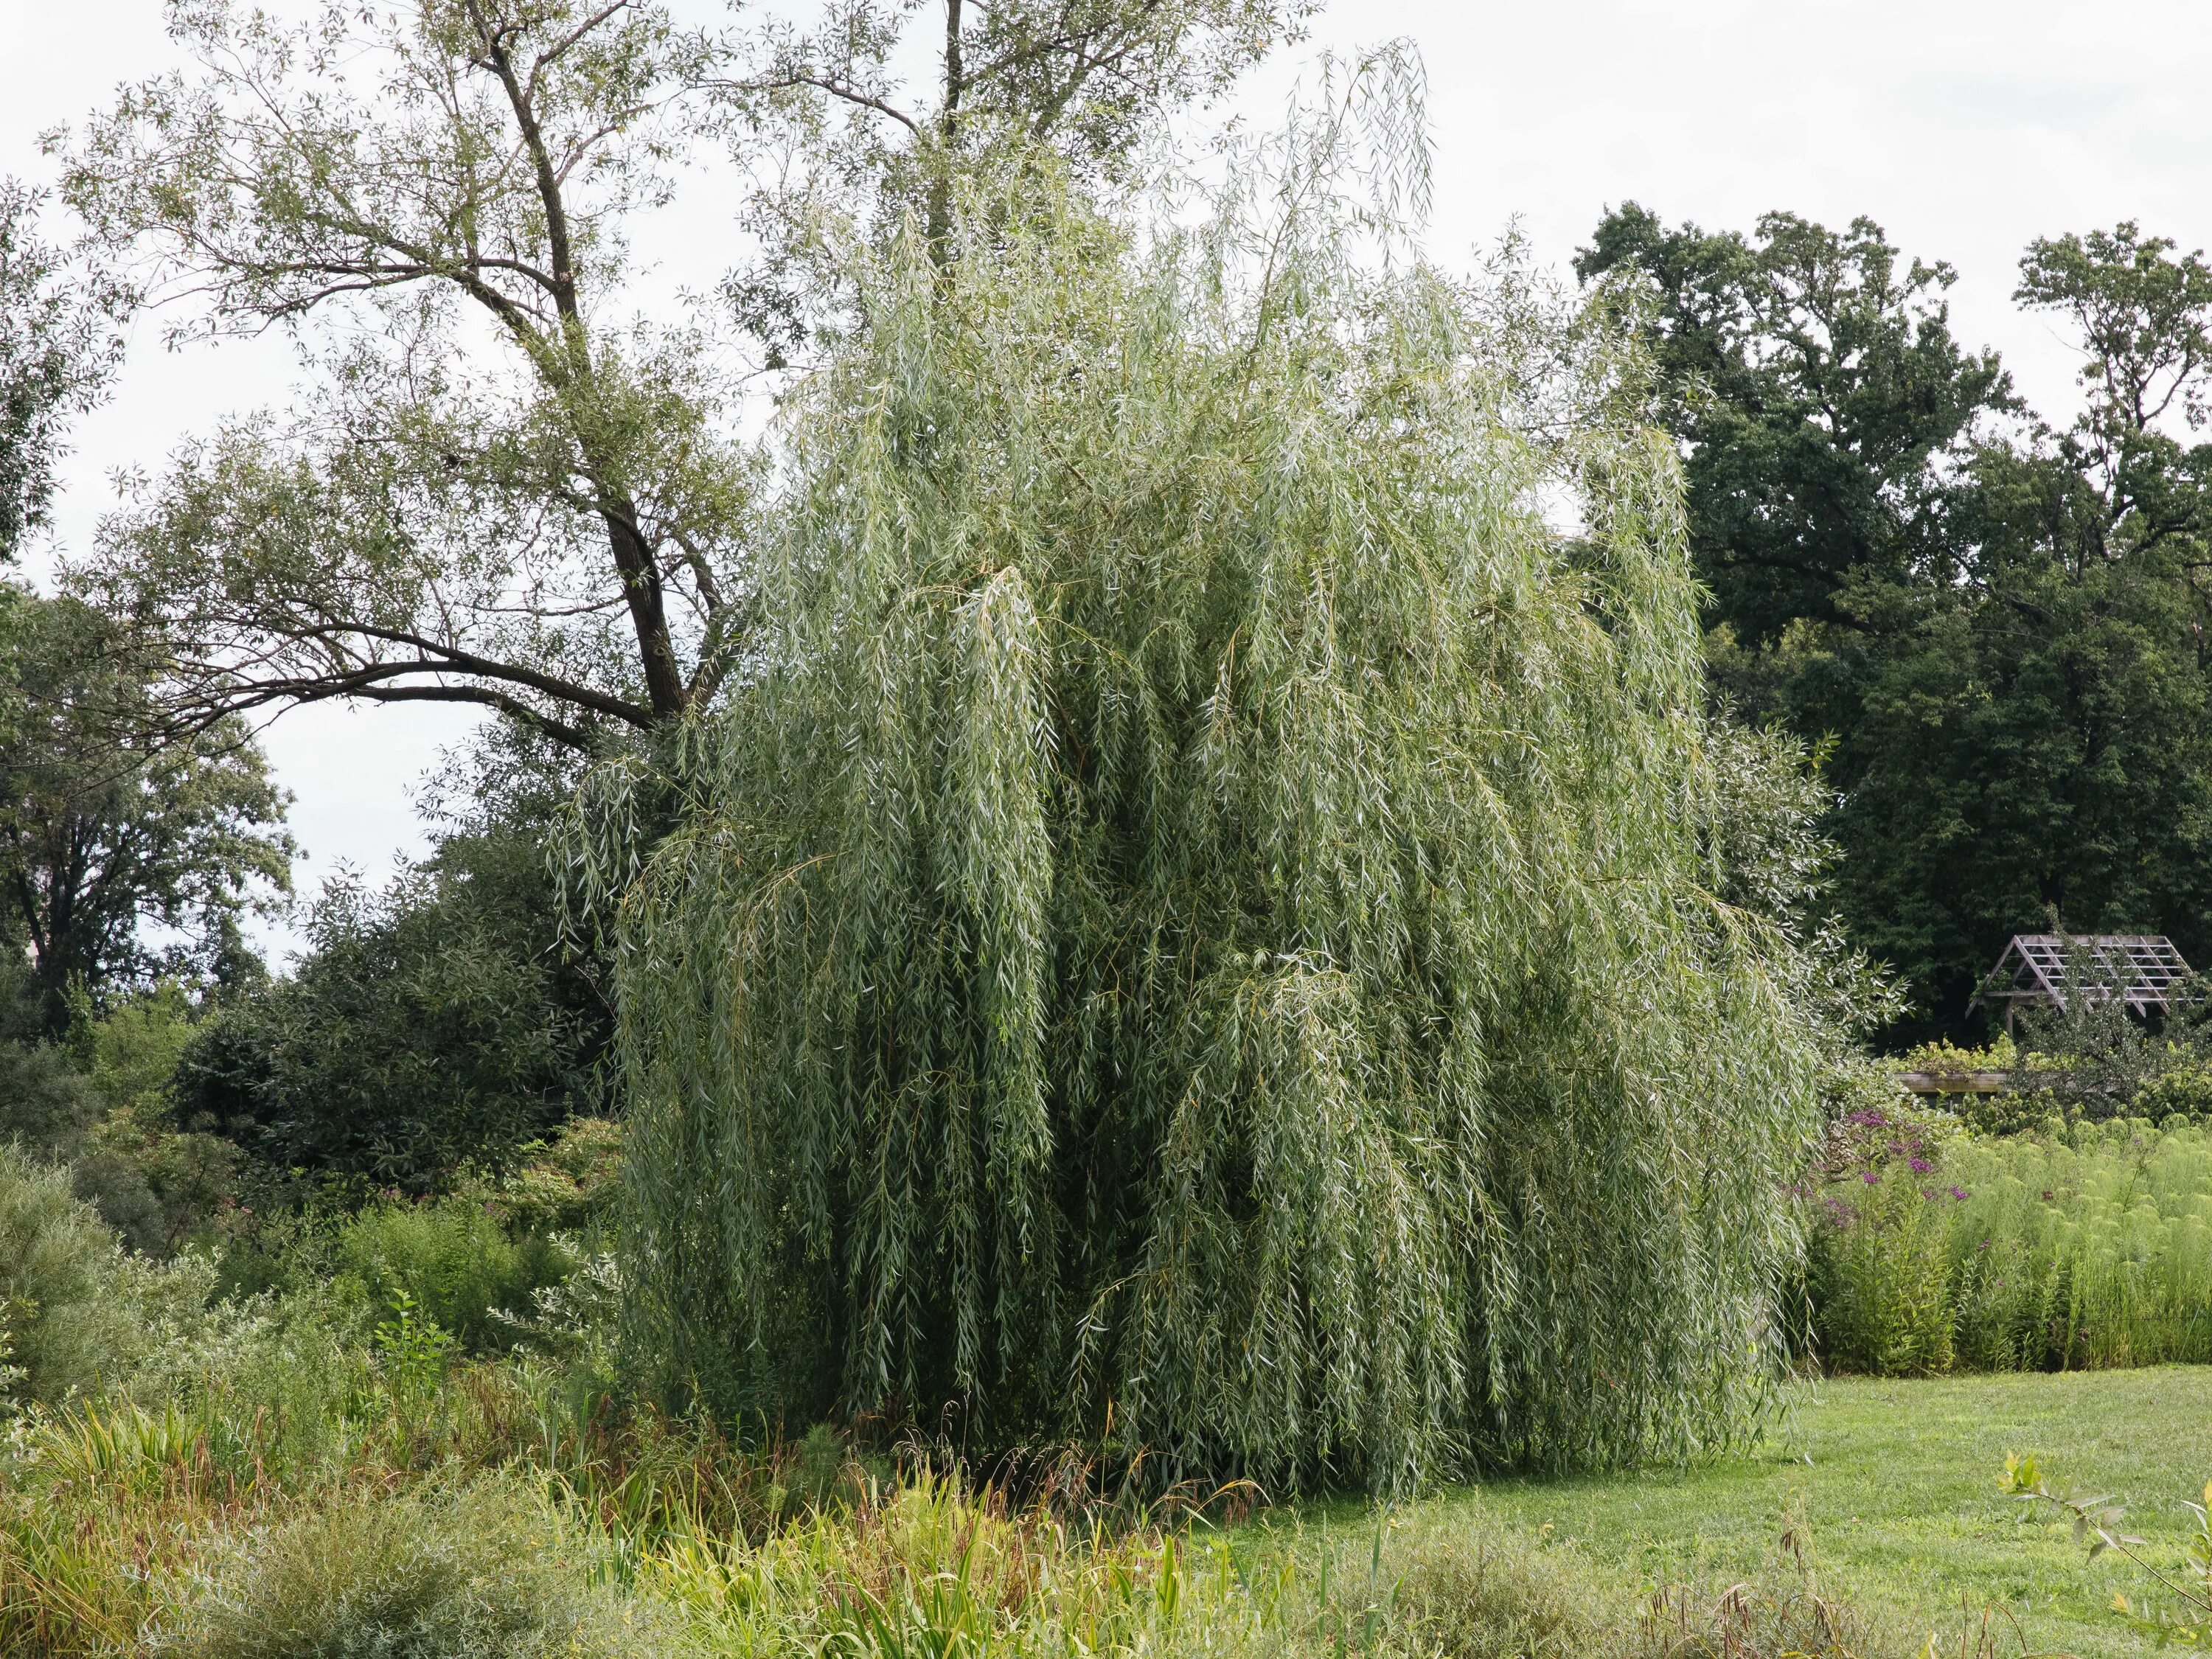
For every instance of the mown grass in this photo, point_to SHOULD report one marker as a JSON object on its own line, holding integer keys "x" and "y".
{"x": 1891, "y": 1486}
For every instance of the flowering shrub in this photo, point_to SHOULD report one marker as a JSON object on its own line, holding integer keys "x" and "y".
{"x": 1875, "y": 1260}
{"x": 1930, "y": 1248}
{"x": 2186, "y": 1089}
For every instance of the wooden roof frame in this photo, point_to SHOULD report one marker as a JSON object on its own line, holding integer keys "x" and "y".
{"x": 2143, "y": 970}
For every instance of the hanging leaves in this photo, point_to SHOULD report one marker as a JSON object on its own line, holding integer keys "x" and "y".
{"x": 1199, "y": 932}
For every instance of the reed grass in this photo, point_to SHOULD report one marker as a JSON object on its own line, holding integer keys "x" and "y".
{"x": 496, "y": 1523}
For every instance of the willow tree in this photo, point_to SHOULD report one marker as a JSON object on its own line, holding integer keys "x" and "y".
{"x": 1200, "y": 931}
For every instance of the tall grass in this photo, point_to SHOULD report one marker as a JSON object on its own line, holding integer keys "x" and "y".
{"x": 315, "y": 1472}
{"x": 2095, "y": 1250}
{"x": 126, "y": 1529}
{"x": 2092, "y": 1247}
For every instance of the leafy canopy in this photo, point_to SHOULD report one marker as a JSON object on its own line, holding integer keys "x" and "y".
{"x": 1992, "y": 626}
{"x": 103, "y": 832}
{"x": 502, "y": 492}
{"x": 515, "y": 482}
{"x": 1821, "y": 397}
{"x": 430, "y": 1029}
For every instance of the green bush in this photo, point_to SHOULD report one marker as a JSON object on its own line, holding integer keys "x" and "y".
{"x": 2186, "y": 1090}
{"x": 569, "y": 1183}
{"x": 285, "y": 1385}
{"x": 73, "y": 1306}
{"x": 45, "y": 1104}
{"x": 157, "y": 1188}
{"x": 431, "y": 1030}
{"x": 454, "y": 1260}
{"x": 1879, "y": 1280}
{"x": 98, "y": 1103}
{"x": 2012, "y": 1112}
{"x": 480, "y": 1572}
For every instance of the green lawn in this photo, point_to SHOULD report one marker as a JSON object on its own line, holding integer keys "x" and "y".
{"x": 1896, "y": 1484}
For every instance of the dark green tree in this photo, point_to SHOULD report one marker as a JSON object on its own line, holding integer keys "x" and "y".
{"x": 1822, "y": 403}
{"x": 103, "y": 831}
{"x": 430, "y": 1027}
{"x": 2040, "y": 735}
{"x": 1994, "y": 628}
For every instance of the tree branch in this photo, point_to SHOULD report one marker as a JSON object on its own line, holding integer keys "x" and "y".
{"x": 835, "y": 88}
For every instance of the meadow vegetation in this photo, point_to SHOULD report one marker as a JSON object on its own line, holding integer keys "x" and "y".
{"x": 318, "y": 1471}
{"x": 1932, "y": 1248}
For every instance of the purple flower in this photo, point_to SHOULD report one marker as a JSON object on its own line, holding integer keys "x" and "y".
{"x": 1921, "y": 1166}
{"x": 1959, "y": 1193}
{"x": 1869, "y": 1176}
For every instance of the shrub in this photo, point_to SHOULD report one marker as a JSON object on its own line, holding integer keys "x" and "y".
{"x": 283, "y": 1388}
{"x": 431, "y": 1030}
{"x": 483, "y": 1571}
{"x": 73, "y": 1306}
{"x": 1879, "y": 1279}
{"x": 453, "y": 1259}
{"x": 2184, "y": 1091}
{"x": 567, "y": 1184}
{"x": 99, "y": 1103}
{"x": 2026, "y": 1111}
{"x": 45, "y": 1104}
{"x": 137, "y": 1042}
{"x": 159, "y": 1189}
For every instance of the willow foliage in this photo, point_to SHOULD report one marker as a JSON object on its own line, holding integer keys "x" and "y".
{"x": 1201, "y": 933}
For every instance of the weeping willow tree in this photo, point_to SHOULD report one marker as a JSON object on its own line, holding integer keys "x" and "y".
{"x": 1201, "y": 930}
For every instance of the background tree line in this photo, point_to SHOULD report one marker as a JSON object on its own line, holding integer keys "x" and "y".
{"x": 1992, "y": 627}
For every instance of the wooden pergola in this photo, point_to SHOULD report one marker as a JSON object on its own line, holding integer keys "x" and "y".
{"x": 2050, "y": 970}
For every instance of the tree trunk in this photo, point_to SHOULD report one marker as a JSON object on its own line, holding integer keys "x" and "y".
{"x": 640, "y": 580}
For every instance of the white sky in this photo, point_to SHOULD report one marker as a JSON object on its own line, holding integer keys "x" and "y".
{"x": 1964, "y": 127}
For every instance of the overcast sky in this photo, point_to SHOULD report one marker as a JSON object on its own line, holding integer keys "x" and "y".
{"x": 1964, "y": 127}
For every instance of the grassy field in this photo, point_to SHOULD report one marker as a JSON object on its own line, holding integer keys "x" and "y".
{"x": 1893, "y": 1485}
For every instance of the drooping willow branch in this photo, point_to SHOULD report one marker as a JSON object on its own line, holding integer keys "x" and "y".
{"x": 1197, "y": 933}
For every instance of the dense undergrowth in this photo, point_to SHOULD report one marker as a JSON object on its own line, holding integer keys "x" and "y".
{"x": 404, "y": 1427}
{"x": 1933, "y": 1247}
{"x": 400, "y": 1446}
